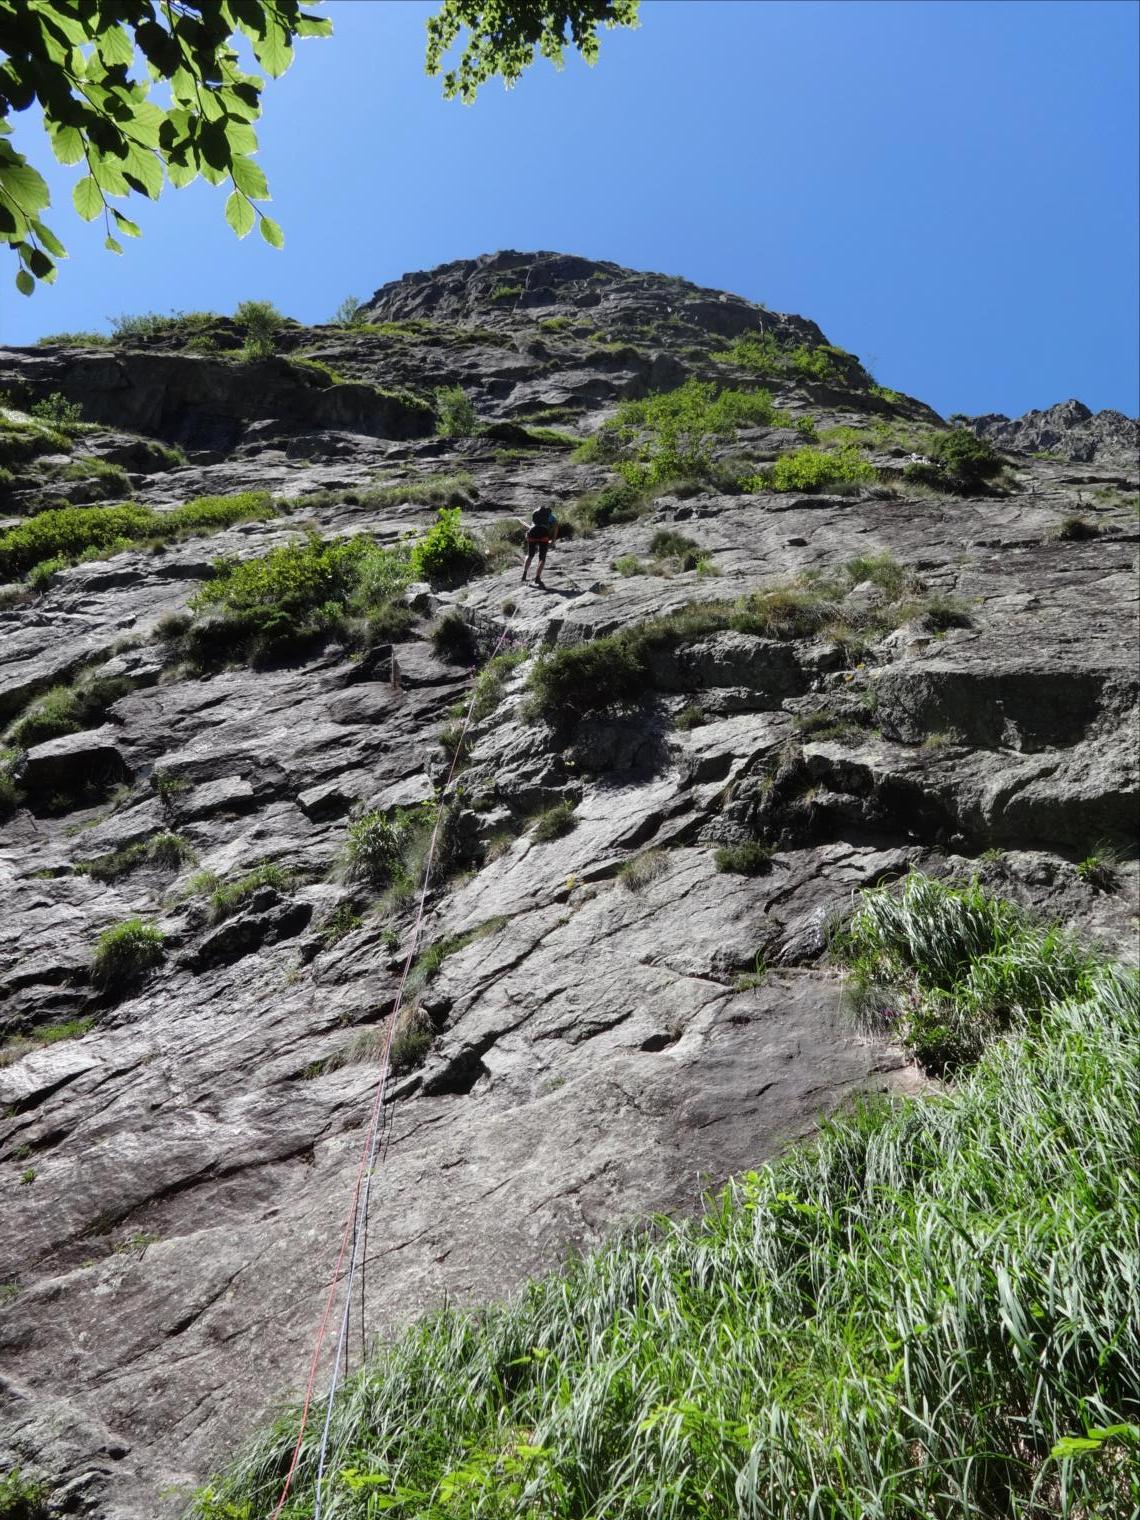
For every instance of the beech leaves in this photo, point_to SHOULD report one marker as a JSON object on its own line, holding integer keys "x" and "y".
{"x": 91, "y": 65}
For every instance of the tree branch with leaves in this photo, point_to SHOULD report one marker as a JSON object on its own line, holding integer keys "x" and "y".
{"x": 92, "y": 65}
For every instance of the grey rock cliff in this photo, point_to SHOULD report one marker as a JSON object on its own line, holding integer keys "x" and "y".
{"x": 173, "y": 1181}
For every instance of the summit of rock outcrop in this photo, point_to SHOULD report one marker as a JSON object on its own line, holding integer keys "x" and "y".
{"x": 823, "y": 638}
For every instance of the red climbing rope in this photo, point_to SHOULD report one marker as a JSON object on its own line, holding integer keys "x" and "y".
{"x": 358, "y": 1199}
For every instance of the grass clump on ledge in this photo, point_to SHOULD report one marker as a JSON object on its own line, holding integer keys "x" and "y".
{"x": 63, "y": 535}
{"x": 124, "y": 953}
{"x": 231, "y": 896}
{"x": 67, "y": 710}
{"x": 945, "y": 969}
{"x": 618, "y": 669}
{"x": 554, "y": 823}
{"x": 752, "y": 858}
{"x": 927, "y": 1311}
{"x": 167, "y": 851}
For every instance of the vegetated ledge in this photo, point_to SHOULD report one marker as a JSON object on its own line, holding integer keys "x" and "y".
{"x": 659, "y": 1366}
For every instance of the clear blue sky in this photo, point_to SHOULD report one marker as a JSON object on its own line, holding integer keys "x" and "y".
{"x": 949, "y": 189}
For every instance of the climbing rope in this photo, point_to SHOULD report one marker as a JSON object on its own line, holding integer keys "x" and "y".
{"x": 356, "y": 1220}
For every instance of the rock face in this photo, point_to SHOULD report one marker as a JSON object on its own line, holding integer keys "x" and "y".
{"x": 612, "y": 1025}
{"x": 1067, "y": 431}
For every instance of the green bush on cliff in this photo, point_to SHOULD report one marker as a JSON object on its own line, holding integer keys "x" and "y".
{"x": 960, "y": 462}
{"x": 455, "y": 413}
{"x": 669, "y": 436}
{"x": 280, "y": 602}
{"x": 446, "y": 555}
{"x": 71, "y": 533}
{"x": 812, "y": 469}
{"x": 927, "y": 1310}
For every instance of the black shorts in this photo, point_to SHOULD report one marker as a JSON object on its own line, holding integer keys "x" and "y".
{"x": 541, "y": 544}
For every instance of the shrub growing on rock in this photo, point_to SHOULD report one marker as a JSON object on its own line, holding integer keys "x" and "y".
{"x": 446, "y": 555}
{"x": 169, "y": 851}
{"x": 378, "y": 844}
{"x": 960, "y": 462}
{"x": 811, "y": 469}
{"x": 453, "y": 639}
{"x": 261, "y": 322}
{"x": 124, "y": 952}
{"x": 455, "y": 414}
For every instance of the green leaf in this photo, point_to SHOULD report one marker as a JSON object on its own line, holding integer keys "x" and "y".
{"x": 116, "y": 47}
{"x": 88, "y": 198}
{"x": 250, "y": 179}
{"x": 239, "y": 213}
{"x": 143, "y": 172}
{"x": 180, "y": 174}
{"x": 48, "y": 238}
{"x": 124, "y": 224}
{"x": 67, "y": 144}
{"x": 24, "y": 282}
{"x": 313, "y": 26}
{"x": 39, "y": 263}
{"x": 22, "y": 183}
{"x": 1074, "y": 1446}
{"x": 271, "y": 232}
{"x": 113, "y": 244}
{"x": 273, "y": 50}
{"x": 108, "y": 175}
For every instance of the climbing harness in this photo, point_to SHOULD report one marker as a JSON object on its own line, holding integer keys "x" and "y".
{"x": 354, "y": 1238}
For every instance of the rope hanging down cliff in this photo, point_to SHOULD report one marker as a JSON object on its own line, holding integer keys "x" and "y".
{"x": 356, "y": 1219}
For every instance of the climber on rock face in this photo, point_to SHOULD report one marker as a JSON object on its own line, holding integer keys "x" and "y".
{"x": 540, "y": 535}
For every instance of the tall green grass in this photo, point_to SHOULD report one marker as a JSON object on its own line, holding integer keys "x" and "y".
{"x": 929, "y": 1313}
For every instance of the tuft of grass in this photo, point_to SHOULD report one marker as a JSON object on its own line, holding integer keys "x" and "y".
{"x": 124, "y": 952}
{"x": 554, "y": 823}
{"x": 67, "y": 710}
{"x": 1100, "y": 871}
{"x": 453, "y": 639}
{"x": 752, "y": 858}
{"x": 1073, "y": 530}
{"x": 379, "y": 846}
{"x": 927, "y": 1310}
{"x": 342, "y": 921}
{"x": 231, "y": 896}
{"x": 170, "y": 851}
{"x": 637, "y": 873}
{"x": 945, "y": 969}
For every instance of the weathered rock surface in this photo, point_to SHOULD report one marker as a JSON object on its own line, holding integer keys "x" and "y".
{"x": 173, "y": 1182}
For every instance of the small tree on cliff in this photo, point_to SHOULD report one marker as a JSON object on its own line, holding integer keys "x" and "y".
{"x": 90, "y": 66}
